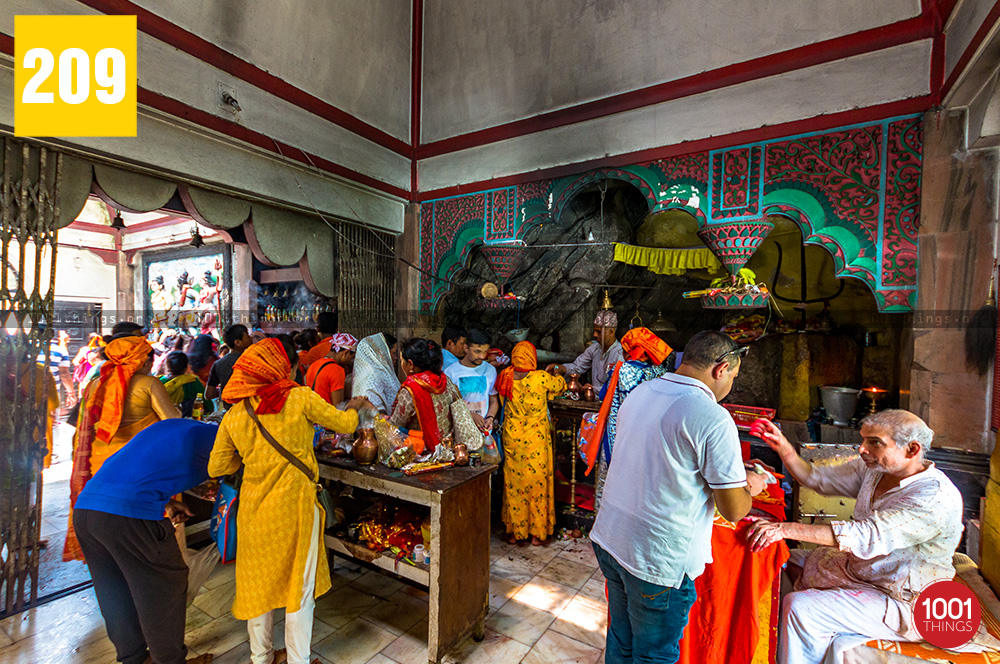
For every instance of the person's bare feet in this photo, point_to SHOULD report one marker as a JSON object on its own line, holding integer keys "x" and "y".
{"x": 511, "y": 539}
{"x": 537, "y": 542}
{"x": 280, "y": 656}
{"x": 200, "y": 659}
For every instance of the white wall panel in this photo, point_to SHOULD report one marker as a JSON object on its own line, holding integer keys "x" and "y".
{"x": 354, "y": 55}
{"x": 963, "y": 25}
{"x": 177, "y": 75}
{"x": 185, "y": 152}
{"x": 488, "y": 63}
{"x": 891, "y": 74}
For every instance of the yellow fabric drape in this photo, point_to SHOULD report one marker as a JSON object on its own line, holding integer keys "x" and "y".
{"x": 667, "y": 261}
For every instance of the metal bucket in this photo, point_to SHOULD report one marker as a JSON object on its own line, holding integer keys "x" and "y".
{"x": 839, "y": 402}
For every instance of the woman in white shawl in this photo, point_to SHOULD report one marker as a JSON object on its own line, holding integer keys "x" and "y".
{"x": 374, "y": 373}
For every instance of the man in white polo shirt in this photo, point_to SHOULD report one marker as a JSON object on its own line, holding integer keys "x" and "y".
{"x": 680, "y": 459}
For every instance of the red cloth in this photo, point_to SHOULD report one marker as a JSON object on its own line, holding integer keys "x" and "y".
{"x": 422, "y": 385}
{"x": 641, "y": 344}
{"x": 262, "y": 370}
{"x": 723, "y": 625}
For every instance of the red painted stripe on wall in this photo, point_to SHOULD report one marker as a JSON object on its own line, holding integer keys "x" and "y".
{"x": 971, "y": 49}
{"x": 239, "y": 132}
{"x": 902, "y": 32}
{"x": 204, "y": 50}
{"x": 817, "y": 123}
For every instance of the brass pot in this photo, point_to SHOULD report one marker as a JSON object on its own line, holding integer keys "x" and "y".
{"x": 366, "y": 447}
{"x": 461, "y": 455}
{"x": 573, "y": 386}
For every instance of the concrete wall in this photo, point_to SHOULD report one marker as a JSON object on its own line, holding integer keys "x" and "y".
{"x": 958, "y": 218}
{"x": 354, "y": 55}
{"x": 490, "y": 63}
{"x": 171, "y": 146}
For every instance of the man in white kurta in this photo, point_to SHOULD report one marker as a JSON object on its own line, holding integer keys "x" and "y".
{"x": 861, "y": 584}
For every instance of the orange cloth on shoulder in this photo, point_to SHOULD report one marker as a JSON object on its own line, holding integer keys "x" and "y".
{"x": 124, "y": 356}
{"x": 524, "y": 357}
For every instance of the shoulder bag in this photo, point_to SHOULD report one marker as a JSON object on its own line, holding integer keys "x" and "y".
{"x": 322, "y": 495}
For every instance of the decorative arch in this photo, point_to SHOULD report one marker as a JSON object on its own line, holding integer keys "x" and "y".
{"x": 854, "y": 191}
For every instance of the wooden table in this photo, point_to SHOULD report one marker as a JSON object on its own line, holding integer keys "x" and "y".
{"x": 458, "y": 576}
{"x": 572, "y": 410}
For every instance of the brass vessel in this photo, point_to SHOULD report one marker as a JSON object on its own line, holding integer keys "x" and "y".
{"x": 366, "y": 447}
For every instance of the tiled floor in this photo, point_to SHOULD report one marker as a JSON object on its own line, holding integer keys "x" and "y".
{"x": 546, "y": 605}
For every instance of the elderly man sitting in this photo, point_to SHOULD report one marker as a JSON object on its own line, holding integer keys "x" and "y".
{"x": 861, "y": 583}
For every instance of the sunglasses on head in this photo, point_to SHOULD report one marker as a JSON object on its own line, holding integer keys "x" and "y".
{"x": 740, "y": 351}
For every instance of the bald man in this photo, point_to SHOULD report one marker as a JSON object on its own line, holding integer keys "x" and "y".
{"x": 861, "y": 582}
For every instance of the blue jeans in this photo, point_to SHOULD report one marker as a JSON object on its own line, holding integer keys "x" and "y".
{"x": 646, "y": 620}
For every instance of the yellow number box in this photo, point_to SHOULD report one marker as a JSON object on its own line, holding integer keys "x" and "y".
{"x": 75, "y": 76}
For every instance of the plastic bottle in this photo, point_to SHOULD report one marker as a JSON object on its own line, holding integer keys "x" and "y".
{"x": 198, "y": 410}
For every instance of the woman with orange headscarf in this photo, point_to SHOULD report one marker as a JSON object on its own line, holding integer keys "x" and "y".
{"x": 529, "y": 492}
{"x": 281, "y": 561}
{"x": 118, "y": 404}
{"x": 644, "y": 354}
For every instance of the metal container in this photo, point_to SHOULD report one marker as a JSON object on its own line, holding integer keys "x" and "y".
{"x": 839, "y": 402}
{"x": 365, "y": 447}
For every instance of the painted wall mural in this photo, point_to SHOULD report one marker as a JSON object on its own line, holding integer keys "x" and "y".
{"x": 854, "y": 191}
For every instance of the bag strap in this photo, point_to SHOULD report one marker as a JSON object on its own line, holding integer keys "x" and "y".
{"x": 279, "y": 448}
{"x": 319, "y": 372}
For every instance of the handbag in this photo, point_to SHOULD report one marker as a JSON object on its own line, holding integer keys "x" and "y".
{"x": 222, "y": 527}
{"x": 322, "y": 495}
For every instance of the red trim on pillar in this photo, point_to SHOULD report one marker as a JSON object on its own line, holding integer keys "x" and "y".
{"x": 817, "y": 123}
{"x": 902, "y": 32}
{"x": 970, "y": 50}
{"x": 416, "y": 93}
{"x": 207, "y": 52}
{"x": 92, "y": 228}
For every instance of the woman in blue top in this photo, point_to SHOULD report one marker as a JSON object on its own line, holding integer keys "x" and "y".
{"x": 644, "y": 354}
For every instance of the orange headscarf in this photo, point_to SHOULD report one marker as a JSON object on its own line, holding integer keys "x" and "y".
{"x": 641, "y": 344}
{"x": 124, "y": 357}
{"x": 261, "y": 371}
{"x": 524, "y": 357}
{"x": 638, "y": 344}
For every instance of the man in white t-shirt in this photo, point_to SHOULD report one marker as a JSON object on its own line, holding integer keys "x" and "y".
{"x": 677, "y": 458}
{"x": 476, "y": 379}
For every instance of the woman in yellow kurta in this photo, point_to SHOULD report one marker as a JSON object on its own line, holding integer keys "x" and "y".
{"x": 529, "y": 500}
{"x": 120, "y": 403}
{"x": 280, "y": 561}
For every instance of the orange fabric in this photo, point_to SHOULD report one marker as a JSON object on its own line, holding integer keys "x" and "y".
{"x": 317, "y": 352}
{"x": 641, "y": 344}
{"x": 124, "y": 357}
{"x": 326, "y": 377}
{"x": 594, "y": 434}
{"x": 415, "y": 439}
{"x": 421, "y": 386}
{"x": 524, "y": 357}
{"x": 262, "y": 370}
{"x": 724, "y": 624}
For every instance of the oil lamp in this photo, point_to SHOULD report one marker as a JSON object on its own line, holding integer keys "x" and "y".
{"x": 875, "y": 397}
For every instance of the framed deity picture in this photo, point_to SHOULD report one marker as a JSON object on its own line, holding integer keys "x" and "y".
{"x": 189, "y": 290}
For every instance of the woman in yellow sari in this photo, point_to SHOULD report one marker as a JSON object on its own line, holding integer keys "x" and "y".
{"x": 529, "y": 499}
{"x": 281, "y": 561}
{"x": 123, "y": 401}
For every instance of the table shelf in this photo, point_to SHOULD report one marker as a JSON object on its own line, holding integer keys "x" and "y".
{"x": 417, "y": 573}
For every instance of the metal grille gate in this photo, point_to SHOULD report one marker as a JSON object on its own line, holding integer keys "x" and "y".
{"x": 366, "y": 285}
{"x": 28, "y": 214}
